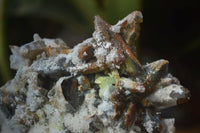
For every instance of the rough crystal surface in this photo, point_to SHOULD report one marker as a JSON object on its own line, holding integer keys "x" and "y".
{"x": 97, "y": 86}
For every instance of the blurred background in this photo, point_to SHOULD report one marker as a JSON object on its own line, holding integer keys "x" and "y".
{"x": 171, "y": 30}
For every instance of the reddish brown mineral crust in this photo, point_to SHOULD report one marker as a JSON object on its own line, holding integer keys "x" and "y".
{"x": 89, "y": 68}
{"x": 55, "y": 51}
{"x": 130, "y": 28}
{"x": 158, "y": 70}
{"x": 86, "y": 52}
{"x": 130, "y": 116}
{"x": 119, "y": 103}
{"x": 118, "y": 42}
{"x": 117, "y": 39}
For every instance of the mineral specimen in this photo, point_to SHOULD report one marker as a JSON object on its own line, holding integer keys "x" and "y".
{"x": 98, "y": 86}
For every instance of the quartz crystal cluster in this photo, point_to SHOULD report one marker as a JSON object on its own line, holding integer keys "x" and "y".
{"x": 97, "y": 86}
